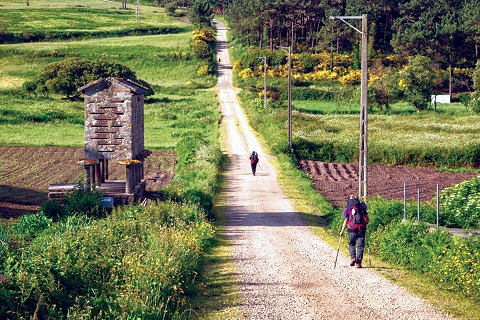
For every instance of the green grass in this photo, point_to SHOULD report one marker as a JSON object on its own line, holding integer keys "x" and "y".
{"x": 145, "y": 55}
{"x": 450, "y": 127}
{"x": 220, "y": 298}
{"x": 58, "y": 122}
{"x": 447, "y": 137}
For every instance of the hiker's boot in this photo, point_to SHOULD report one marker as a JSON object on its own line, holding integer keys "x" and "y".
{"x": 352, "y": 262}
{"x": 359, "y": 265}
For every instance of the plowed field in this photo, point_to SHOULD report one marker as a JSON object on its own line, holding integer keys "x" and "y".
{"x": 26, "y": 173}
{"x": 338, "y": 180}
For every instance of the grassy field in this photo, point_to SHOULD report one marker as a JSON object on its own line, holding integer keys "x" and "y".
{"x": 328, "y": 131}
{"x": 28, "y": 120}
{"x": 450, "y": 126}
{"x": 156, "y": 249}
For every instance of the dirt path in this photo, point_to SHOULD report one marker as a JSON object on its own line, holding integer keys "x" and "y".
{"x": 285, "y": 272}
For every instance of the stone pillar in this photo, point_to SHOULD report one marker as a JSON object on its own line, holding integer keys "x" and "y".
{"x": 98, "y": 174}
{"x": 131, "y": 166}
{"x": 105, "y": 173}
{"x": 89, "y": 174}
{"x": 129, "y": 176}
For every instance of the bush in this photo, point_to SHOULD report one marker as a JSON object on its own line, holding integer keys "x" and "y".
{"x": 309, "y": 61}
{"x": 30, "y": 226}
{"x": 3, "y": 246}
{"x": 460, "y": 204}
{"x": 324, "y": 151}
{"x": 29, "y": 87}
{"x": 202, "y": 50}
{"x": 84, "y": 202}
{"x": 170, "y": 8}
{"x": 52, "y": 209}
{"x": 301, "y": 93}
{"x": 66, "y": 76}
{"x": 107, "y": 266}
{"x": 400, "y": 242}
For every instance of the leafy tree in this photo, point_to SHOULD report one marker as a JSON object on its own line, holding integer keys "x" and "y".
{"x": 470, "y": 17}
{"x": 66, "y": 76}
{"x": 201, "y": 13}
{"x": 417, "y": 81}
{"x": 202, "y": 42}
{"x": 474, "y": 102}
{"x": 170, "y": 8}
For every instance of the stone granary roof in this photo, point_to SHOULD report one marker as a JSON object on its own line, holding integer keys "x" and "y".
{"x": 100, "y": 84}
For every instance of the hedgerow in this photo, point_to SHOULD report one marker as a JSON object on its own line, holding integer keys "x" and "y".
{"x": 36, "y": 36}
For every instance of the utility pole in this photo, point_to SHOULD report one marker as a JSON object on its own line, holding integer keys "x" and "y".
{"x": 289, "y": 51}
{"x": 264, "y": 80}
{"x": 363, "y": 154}
{"x": 138, "y": 11}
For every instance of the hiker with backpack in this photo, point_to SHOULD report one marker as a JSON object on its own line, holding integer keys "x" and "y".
{"x": 254, "y": 161}
{"x": 356, "y": 220}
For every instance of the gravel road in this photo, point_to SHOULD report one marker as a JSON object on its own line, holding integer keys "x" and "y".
{"x": 285, "y": 271}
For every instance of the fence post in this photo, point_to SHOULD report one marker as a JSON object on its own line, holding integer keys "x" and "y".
{"x": 404, "y": 201}
{"x": 438, "y": 207}
{"x": 418, "y": 208}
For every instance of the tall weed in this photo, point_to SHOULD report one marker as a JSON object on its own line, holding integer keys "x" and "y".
{"x": 461, "y": 204}
{"x": 138, "y": 261}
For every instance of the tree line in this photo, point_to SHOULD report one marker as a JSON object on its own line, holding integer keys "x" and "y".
{"x": 448, "y": 31}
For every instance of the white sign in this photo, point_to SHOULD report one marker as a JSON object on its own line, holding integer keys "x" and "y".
{"x": 441, "y": 98}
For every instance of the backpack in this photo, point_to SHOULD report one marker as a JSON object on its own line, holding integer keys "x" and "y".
{"x": 254, "y": 157}
{"x": 356, "y": 216}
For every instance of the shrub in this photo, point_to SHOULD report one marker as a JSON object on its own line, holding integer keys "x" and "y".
{"x": 324, "y": 151}
{"x": 52, "y": 209}
{"x": 170, "y": 8}
{"x": 29, "y": 226}
{"x": 138, "y": 262}
{"x": 399, "y": 242}
{"x": 201, "y": 49}
{"x": 460, "y": 204}
{"x": 301, "y": 93}
{"x": 308, "y": 60}
{"x": 29, "y": 87}
{"x": 84, "y": 202}
{"x": 66, "y": 76}
{"x": 417, "y": 80}
{"x": 456, "y": 266}
{"x": 3, "y": 246}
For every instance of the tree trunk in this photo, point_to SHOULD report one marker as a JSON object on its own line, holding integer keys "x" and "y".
{"x": 271, "y": 33}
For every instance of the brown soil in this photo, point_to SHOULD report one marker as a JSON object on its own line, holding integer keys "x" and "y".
{"x": 26, "y": 173}
{"x": 336, "y": 181}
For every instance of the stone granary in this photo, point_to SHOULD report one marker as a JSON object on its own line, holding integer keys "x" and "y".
{"x": 114, "y": 130}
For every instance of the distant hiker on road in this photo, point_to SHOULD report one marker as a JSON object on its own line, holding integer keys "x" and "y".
{"x": 356, "y": 219}
{"x": 254, "y": 161}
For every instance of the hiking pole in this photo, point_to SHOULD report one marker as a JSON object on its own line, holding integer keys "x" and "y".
{"x": 338, "y": 250}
